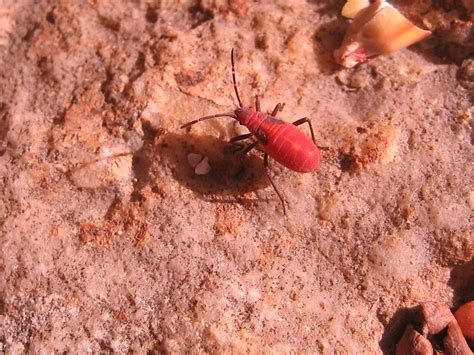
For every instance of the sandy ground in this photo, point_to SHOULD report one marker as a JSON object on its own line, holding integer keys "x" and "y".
{"x": 111, "y": 242}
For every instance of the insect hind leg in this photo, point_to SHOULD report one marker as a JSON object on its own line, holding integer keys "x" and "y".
{"x": 306, "y": 120}
{"x": 267, "y": 172}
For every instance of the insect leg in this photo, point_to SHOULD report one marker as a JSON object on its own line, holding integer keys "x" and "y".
{"x": 306, "y": 120}
{"x": 241, "y": 137}
{"x": 267, "y": 172}
{"x": 257, "y": 103}
{"x": 278, "y": 108}
{"x": 249, "y": 148}
{"x": 234, "y": 140}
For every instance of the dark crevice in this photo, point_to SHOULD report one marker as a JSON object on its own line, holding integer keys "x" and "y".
{"x": 142, "y": 164}
{"x": 462, "y": 282}
{"x": 50, "y": 17}
{"x": 31, "y": 32}
{"x": 4, "y": 127}
{"x": 106, "y": 89}
{"x": 396, "y": 326}
{"x": 347, "y": 163}
{"x": 151, "y": 15}
{"x": 138, "y": 69}
{"x": 109, "y": 23}
{"x": 199, "y": 15}
{"x": 60, "y": 118}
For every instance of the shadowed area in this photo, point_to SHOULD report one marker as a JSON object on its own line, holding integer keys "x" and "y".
{"x": 230, "y": 172}
{"x": 462, "y": 282}
{"x": 396, "y": 326}
{"x": 114, "y": 244}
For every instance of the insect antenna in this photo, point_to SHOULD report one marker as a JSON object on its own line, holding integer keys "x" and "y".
{"x": 207, "y": 118}
{"x": 232, "y": 55}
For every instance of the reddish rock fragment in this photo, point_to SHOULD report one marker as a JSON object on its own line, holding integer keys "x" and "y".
{"x": 454, "y": 342}
{"x": 413, "y": 343}
{"x": 436, "y": 316}
{"x": 468, "y": 4}
{"x": 465, "y": 318}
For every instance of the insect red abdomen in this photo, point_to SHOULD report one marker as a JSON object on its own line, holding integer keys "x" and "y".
{"x": 289, "y": 146}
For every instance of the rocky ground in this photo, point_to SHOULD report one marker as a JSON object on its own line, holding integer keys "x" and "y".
{"x": 111, "y": 242}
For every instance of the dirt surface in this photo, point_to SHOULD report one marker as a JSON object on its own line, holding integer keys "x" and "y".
{"x": 111, "y": 242}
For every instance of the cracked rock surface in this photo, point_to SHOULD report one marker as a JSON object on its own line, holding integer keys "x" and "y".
{"x": 111, "y": 242}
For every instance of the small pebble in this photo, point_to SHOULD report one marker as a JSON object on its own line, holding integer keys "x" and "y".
{"x": 203, "y": 167}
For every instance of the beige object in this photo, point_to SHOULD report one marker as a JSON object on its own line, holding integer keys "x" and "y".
{"x": 199, "y": 163}
{"x": 377, "y": 29}
{"x": 353, "y": 7}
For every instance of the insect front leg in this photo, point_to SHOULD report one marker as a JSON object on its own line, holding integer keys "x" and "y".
{"x": 257, "y": 103}
{"x": 306, "y": 120}
{"x": 248, "y": 148}
{"x": 267, "y": 172}
{"x": 278, "y": 108}
{"x": 239, "y": 146}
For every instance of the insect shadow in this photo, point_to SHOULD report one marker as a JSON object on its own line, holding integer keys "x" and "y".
{"x": 231, "y": 173}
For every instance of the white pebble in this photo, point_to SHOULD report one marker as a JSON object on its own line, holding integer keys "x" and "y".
{"x": 203, "y": 167}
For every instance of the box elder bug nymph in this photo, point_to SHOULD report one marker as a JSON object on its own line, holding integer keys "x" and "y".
{"x": 280, "y": 140}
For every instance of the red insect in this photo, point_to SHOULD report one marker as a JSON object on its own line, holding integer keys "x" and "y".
{"x": 280, "y": 140}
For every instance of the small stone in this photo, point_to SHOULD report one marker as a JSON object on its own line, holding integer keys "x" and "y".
{"x": 414, "y": 343}
{"x": 454, "y": 342}
{"x": 203, "y": 167}
{"x": 436, "y": 316}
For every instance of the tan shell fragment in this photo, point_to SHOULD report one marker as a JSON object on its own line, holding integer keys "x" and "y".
{"x": 353, "y": 7}
{"x": 377, "y": 29}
